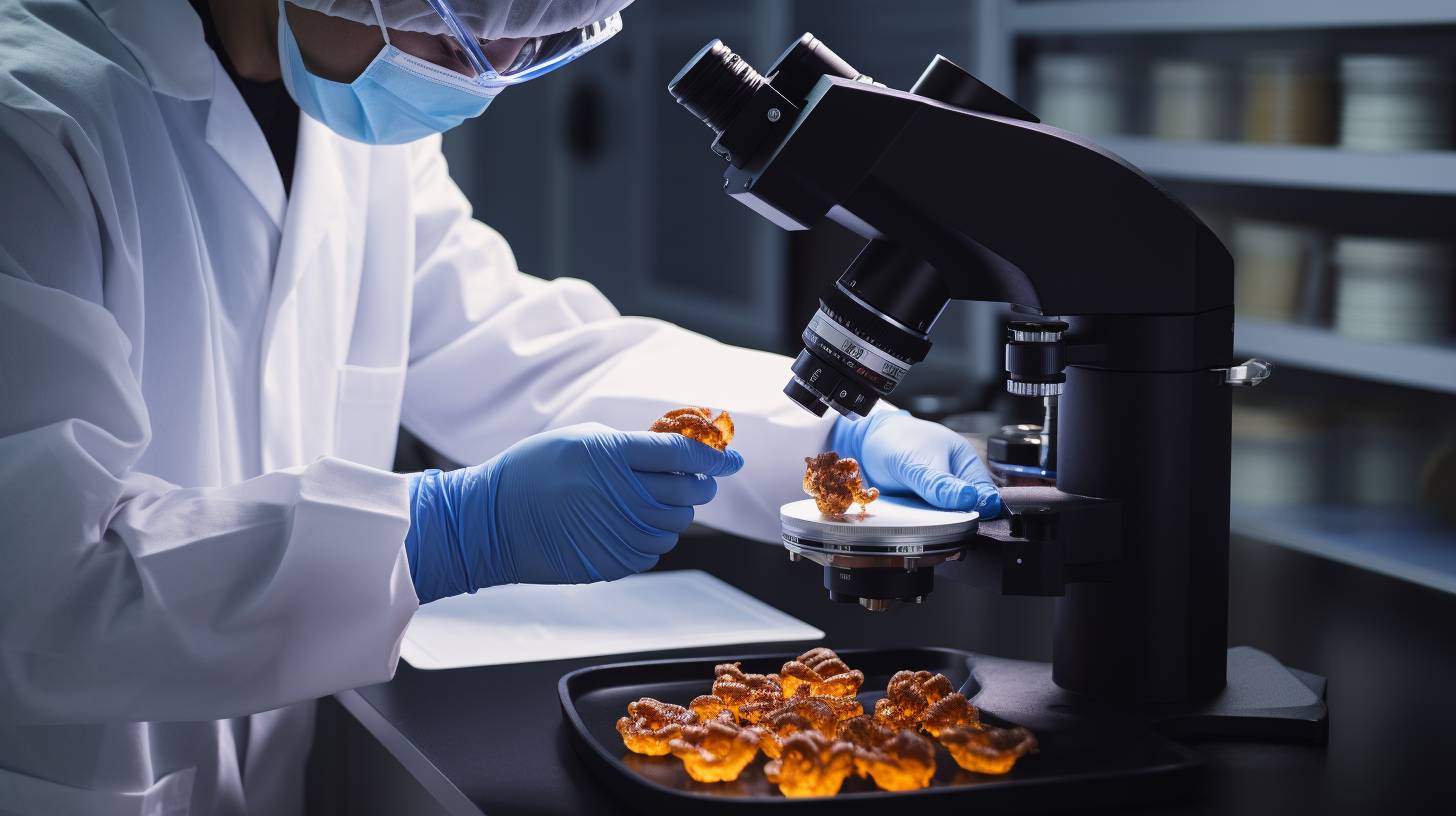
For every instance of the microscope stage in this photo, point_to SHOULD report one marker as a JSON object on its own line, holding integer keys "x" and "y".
{"x": 891, "y": 520}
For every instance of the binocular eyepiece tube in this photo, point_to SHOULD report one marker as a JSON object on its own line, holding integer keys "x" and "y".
{"x": 873, "y": 323}
{"x": 715, "y": 85}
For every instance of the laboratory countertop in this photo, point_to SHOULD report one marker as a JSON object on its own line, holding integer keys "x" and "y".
{"x": 492, "y": 739}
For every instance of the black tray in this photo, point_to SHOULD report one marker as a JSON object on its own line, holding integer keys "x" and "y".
{"x": 1073, "y": 768}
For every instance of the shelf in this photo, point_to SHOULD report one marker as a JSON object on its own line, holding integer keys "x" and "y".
{"x": 1316, "y": 168}
{"x": 1148, "y": 16}
{"x": 1408, "y": 544}
{"x": 1431, "y": 367}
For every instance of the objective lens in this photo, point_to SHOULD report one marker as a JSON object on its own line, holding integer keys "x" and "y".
{"x": 715, "y": 85}
{"x": 871, "y": 328}
{"x": 805, "y": 397}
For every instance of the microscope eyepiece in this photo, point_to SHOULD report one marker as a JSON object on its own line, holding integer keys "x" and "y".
{"x": 873, "y": 324}
{"x": 715, "y": 85}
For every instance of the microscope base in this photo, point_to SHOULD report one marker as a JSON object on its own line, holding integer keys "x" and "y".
{"x": 1263, "y": 701}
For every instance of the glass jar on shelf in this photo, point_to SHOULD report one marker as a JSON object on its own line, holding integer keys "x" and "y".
{"x": 1393, "y": 288}
{"x": 1082, "y": 92}
{"x": 1288, "y": 99}
{"x": 1396, "y": 102}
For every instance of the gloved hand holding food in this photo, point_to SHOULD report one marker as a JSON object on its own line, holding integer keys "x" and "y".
{"x": 901, "y": 454}
{"x": 574, "y": 505}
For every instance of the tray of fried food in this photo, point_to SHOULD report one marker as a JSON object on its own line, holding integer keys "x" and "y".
{"x": 807, "y": 719}
{"x": 925, "y": 744}
{"x": 753, "y": 704}
{"x": 835, "y": 483}
{"x": 697, "y": 423}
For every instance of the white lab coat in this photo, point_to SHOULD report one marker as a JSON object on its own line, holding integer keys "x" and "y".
{"x": 200, "y": 381}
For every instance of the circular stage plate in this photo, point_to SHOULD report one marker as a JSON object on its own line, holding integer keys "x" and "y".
{"x": 890, "y": 520}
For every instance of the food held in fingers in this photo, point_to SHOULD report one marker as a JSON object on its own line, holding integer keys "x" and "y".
{"x": 987, "y": 750}
{"x": 697, "y": 423}
{"x": 715, "y": 751}
{"x": 823, "y": 672}
{"x": 909, "y": 696}
{"x": 651, "y": 724}
{"x": 811, "y": 764}
{"x": 836, "y": 484}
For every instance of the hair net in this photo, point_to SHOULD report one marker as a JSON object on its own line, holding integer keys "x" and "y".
{"x": 489, "y": 19}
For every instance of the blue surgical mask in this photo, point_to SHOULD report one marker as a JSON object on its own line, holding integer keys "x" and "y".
{"x": 399, "y": 98}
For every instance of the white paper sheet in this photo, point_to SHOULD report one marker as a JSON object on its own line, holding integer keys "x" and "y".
{"x": 655, "y": 611}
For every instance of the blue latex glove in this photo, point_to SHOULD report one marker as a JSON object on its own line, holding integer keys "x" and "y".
{"x": 903, "y": 455}
{"x": 578, "y": 504}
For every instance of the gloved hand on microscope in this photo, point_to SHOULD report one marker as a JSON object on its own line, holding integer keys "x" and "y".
{"x": 903, "y": 455}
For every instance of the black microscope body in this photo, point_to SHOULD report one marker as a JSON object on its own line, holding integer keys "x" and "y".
{"x": 961, "y": 194}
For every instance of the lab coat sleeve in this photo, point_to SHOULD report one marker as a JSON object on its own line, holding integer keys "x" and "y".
{"x": 124, "y": 597}
{"x": 497, "y": 355}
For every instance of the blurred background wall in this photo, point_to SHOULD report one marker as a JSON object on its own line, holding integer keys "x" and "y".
{"x": 1317, "y": 137}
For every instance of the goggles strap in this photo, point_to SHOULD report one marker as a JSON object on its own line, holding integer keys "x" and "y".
{"x": 379, "y": 15}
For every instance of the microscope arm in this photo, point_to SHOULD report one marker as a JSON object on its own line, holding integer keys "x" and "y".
{"x": 1007, "y": 210}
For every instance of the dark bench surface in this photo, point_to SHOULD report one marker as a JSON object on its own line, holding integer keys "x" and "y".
{"x": 492, "y": 738}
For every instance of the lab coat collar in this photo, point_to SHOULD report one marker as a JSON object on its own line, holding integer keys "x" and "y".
{"x": 234, "y": 134}
{"x": 165, "y": 37}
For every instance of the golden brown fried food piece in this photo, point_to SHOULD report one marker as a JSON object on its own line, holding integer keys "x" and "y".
{"x": 695, "y": 423}
{"x": 864, "y": 731}
{"x": 651, "y": 724}
{"x": 811, "y": 764}
{"x": 715, "y": 751}
{"x": 823, "y": 672}
{"x": 835, "y": 484}
{"x": 710, "y": 707}
{"x": 896, "y": 759}
{"x": 738, "y": 689}
{"x": 763, "y": 712}
{"x": 768, "y": 743}
{"x": 950, "y": 712}
{"x": 909, "y": 696}
{"x": 802, "y": 712}
{"x": 904, "y": 762}
{"x": 987, "y": 750}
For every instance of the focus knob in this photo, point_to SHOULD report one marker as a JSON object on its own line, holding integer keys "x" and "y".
{"x": 1035, "y": 358}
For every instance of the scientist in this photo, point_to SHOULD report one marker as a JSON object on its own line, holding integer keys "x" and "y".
{"x": 232, "y": 263}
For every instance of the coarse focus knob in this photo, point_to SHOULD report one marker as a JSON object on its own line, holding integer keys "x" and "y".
{"x": 1026, "y": 331}
{"x": 1035, "y": 358}
{"x": 1034, "y": 389}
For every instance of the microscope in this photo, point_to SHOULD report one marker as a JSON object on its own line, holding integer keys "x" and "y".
{"x": 1126, "y": 301}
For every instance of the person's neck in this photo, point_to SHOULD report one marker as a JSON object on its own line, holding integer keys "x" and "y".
{"x": 249, "y": 32}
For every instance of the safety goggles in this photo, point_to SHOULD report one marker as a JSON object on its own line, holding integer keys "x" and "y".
{"x": 536, "y": 55}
